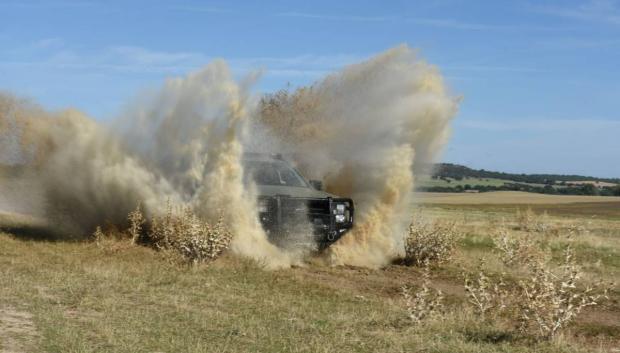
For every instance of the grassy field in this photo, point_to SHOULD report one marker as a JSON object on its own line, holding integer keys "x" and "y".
{"x": 508, "y": 197}
{"x": 79, "y": 297}
{"x": 510, "y": 201}
{"x": 426, "y": 181}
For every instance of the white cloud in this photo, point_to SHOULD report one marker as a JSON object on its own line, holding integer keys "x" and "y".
{"x": 54, "y": 54}
{"x": 430, "y": 22}
{"x": 578, "y": 43}
{"x": 47, "y": 43}
{"x": 44, "y": 5}
{"x": 143, "y": 56}
{"x": 337, "y": 17}
{"x": 489, "y": 68}
{"x": 541, "y": 125}
{"x": 201, "y": 9}
{"x": 604, "y": 11}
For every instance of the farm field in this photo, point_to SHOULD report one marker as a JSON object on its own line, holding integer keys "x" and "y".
{"x": 362, "y": 177}
{"x": 427, "y": 181}
{"x": 82, "y": 297}
{"x": 510, "y": 201}
{"x": 458, "y": 178}
{"x": 507, "y": 197}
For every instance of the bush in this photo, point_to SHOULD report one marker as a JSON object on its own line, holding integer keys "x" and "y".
{"x": 430, "y": 242}
{"x": 515, "y": 251}
{"x": 548, "y": 301}
{"x": 485, "y": 296}
{"x": 531, "y": 222}
{"x": 186, "y": 234}
{"x": 179, "y": 232}
{"x": 424, "y": 304}
{"x": 98, "y": 236}
{"x": 136, "y": 221}
{"x": 543, "y": 303}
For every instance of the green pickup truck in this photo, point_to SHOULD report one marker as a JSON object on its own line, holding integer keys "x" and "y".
{"x": 289, "y": 205}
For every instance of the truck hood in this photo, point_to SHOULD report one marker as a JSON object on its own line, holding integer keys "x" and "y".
{"x": 273, "y": 190}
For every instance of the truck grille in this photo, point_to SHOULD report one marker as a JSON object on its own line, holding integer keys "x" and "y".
{"x": 283, "y": 214}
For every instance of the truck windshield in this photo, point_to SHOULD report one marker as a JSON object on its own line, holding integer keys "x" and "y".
{"x": 272, "y": 173}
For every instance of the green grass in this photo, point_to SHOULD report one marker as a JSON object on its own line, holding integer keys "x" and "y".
{"x": 476, "y": 241}
{"x": 587, "y": 253}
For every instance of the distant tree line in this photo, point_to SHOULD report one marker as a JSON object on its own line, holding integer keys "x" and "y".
{"x": 458, "y": 172}
{"x": 587, "y": 189}
{"x": 546, "y": 183}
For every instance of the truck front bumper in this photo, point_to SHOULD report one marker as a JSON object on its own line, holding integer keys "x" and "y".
{"x": 323, "y": 220}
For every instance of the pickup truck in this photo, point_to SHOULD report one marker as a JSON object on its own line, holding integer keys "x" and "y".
{"x": 289, "y": 206}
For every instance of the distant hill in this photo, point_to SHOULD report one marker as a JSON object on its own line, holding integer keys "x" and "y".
{"x": 455, "y": 171}
{"x": 447, "y": 177}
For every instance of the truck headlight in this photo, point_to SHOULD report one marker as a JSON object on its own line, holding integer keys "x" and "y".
{"x": 341, "y": 212}
{"x": 340, "y": 208}
{"x": 262, "y": 206}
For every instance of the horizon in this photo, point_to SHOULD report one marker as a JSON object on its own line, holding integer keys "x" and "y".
{"x": 538, "y": 79}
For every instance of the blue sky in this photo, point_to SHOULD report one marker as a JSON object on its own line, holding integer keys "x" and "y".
{"x": 540, "y": 79}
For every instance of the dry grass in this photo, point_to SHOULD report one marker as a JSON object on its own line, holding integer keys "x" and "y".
{"x": 426, "y": 303}
{"x": 184, "y": 233}
{"x": 548, "y": 301}
{"x": 115, "y": 296}
{"x": 544, "y": 301}
{"x": 507, "y": 197}
{"x": 485, "y": 295}
{"x": 430, "y": 241}
{"x": 136, "y": 221}
{"x": 551, "y": 281}
{"x": 529, "y": 221}
{"x": 179, "y": 234}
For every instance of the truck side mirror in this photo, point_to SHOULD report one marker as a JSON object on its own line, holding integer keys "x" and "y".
{"x": 317, "y": 184}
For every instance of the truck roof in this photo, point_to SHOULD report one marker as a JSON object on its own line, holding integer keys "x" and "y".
{"x": 258, "y": 156}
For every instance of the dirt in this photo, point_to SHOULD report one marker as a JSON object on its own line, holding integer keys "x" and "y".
{"x": 385, "y": 283}
{"x": 17, "y": 331}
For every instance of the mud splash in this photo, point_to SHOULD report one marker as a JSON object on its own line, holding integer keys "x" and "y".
{"x": 362, "y": 131}
{"x": 180, "y": 144}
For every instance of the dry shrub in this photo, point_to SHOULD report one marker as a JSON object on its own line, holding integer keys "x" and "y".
{"x": 515, "y": 250}
{"x": 431, "y": 242}
{"x": 184, "y": 233}
{"x": 486, "y": 297}
{"x": 179, "y": 233}
{"x": 543, "y": 302}
{"x": 578, "y": 229}
{"x": 110, "y": 239}
{"x": 136, "y": 221}
{"x": 550, "y": 300}
{"x": 529, "y": 221}
{"x": 424, "y": 304}
{"x": 98, "y": 236}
